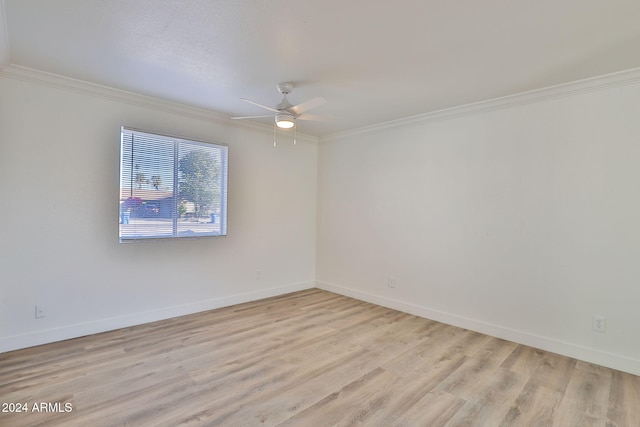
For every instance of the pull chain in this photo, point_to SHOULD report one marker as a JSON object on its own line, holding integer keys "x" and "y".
{"x": 274, "y": 135}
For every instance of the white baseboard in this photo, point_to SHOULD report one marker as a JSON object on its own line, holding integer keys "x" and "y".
{"x": 16, "y": 342}
{"x": 576, "y": 351}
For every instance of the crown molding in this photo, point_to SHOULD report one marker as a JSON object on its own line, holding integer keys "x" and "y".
{"x": 56, "y": 81}
{"x": 627, "y": 77}
{"x": 621, "y": 78}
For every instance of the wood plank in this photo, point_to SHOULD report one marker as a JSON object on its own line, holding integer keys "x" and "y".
{"x": 586, "y": 398}
{"x": 554, "y": 372}
{"x": 488, "y": 403}
{"x": 524, "y": 360}
{"x": 435, "y": 409}
{"x": 535, "y": 407}
{"x": 281, "y": 403}
{"x": 624, "y": 400}
{"x": 351, "y": 403}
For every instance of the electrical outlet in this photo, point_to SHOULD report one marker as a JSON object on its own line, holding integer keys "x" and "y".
{"x": 599, "y": 323}
{"x": 391, "y": 282}
{"x": 40, "y": 312}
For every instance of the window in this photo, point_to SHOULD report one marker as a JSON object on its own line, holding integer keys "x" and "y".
{"x": 171, "y": 187}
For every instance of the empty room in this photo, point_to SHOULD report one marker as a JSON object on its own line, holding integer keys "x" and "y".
{"x": 319, "y": 213}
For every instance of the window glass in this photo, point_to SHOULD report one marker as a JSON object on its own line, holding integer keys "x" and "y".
{"x": 171, "y": 187}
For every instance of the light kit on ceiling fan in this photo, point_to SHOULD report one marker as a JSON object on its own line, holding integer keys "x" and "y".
{"x": 285, "y": 120}
{"x": 286, "y": 114}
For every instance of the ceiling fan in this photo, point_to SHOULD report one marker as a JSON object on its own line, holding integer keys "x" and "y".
{"x": 285, "y": 113}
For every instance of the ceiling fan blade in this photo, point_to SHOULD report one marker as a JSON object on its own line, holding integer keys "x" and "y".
{"x": 249, "y": 117}
{"x": 307, "y": 105}
{"x": 259, "y": 105}
{"x": 314, "y": 117}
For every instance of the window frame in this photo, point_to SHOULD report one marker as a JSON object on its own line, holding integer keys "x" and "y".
{"x": 127, "y": 176}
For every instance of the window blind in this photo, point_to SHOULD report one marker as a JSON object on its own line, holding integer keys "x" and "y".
{"x": 171, "y": 187}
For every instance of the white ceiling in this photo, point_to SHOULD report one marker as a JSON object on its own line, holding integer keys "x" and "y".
{"x": 373, "y": 61}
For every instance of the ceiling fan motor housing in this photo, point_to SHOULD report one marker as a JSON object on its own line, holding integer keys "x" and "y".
{"x": 285, "y": 88}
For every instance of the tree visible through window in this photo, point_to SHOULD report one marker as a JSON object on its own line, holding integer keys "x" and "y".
{"x": 171, "y": 187}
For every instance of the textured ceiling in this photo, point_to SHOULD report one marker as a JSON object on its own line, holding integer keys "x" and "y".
{"x": 371, "y": 61}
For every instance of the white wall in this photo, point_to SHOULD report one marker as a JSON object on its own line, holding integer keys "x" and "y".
{"x": 59, "y": 156}
{"x": 521, "y": 221}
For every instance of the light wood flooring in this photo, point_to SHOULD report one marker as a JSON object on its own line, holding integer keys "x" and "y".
{"x": 310, "y": 358}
